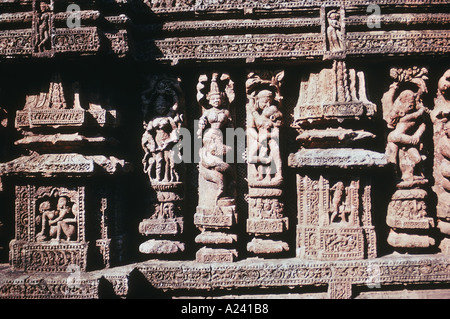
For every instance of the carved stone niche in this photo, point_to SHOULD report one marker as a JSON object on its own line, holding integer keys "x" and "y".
{"x": 266, "y": 221}
{"x": 58, "y": 227}
{"x": 216, "y": 214}
{"x": 406, "y": 119}
{"x": 50, "y": 228}
{"x": 333, "y": 27}
{"x": 163, "y": 108}
{"x": 334, "y": 218}
{"x": 334, "y": 209}
{"x": 440, "y": 117}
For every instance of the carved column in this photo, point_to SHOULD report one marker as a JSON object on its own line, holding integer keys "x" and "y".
{"x": 405, "y": 116}
{"x": 163, "y": 108}
{"x": 334, "y": 207}
{"x": 58, "y": 195}
{"x": 266, "y": 221}
{"x": 440, "y": 117}
{"x": 216, "y": 213}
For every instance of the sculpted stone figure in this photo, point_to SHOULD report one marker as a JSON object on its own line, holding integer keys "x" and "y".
{"x": 161, "y": 132}
{"x": 56, "y": 222}
{"x": 405, "y": 140}
{"x": 265, "y": 175}
{"x": 440, "y": 117}
{"x": 162, "y": 112}
{"x": 263, "y": 128}
{"x": 334, "y": 32}
{"x": 216, "y": 211}
{"x": 43, "y": 27}
{"x": 405, "y": 115}
{"x": 212, "y": 123}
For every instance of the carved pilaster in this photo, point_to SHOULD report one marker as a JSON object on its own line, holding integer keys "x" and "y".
{"x": 440, "y": 117}
{"x": 405, "y": 115}
{"x": 266, "y": 220}
{"x": 163, "y": 108}
{"x": 216, "y": 213}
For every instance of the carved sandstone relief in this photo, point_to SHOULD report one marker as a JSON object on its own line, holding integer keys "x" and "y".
{"x": 334, "y": 209}
{"x": 50, "y": 228}
{"x": 334, "y": 218}
{"x": 266, "y": 220}
{"x": 216, "y": 213}
{"x": 405, "y": 116}
{"x": 57, "y": 189}
{"x": 440, "y": 117}
{"x": 163, "y": 108}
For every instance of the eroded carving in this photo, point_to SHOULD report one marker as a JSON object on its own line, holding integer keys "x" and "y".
{"x": 163, "y": 117}
{"x": 265, "y": 175}
{"x": 440, "y": 117}
{"x": 404, "y": 114}
{"x": 216, "y": 203}
{"x": 334, "y": 218}
{"x": 43, "y": 27}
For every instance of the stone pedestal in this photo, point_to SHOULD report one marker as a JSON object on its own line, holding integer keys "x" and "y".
{"x": 216, "y": 226}
{"x": 166, "y": 223}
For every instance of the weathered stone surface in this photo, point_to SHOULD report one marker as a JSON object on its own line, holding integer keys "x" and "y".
{"x": 221, "y": 105}
{"x": 266, "y": 246}
{"x": 154, "y": 246}
{"x": 338, "y": 157}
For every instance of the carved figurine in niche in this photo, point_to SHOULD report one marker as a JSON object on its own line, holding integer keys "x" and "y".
{"x": 211, "y": 128}
{"x": 334, "y": 220}
{"x": 264, "y": 120}
{"x": 334, "y": 31}
{"x": 440, "y": 117}
{"x": 405, "y": 115}
{"x": 338, "y": 203}
{"x": 161, "y": 132}
{"x": 57, "y": 222}
{"x": 43, "y": 37}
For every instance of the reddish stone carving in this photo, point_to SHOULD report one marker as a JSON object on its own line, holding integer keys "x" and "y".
{"x": 404, "y": 114}
{"x": 216, "y": 210}
{"x": 440, "y": 117}
{"x": 265, "y": 174}
{"x": 163, "y": 117}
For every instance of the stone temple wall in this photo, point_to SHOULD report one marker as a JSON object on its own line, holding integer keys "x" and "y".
{"x": 235, "y": 148}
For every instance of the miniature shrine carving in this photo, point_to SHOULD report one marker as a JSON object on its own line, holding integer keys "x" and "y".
{"x": 163, "y": 117}
{"x": 216, "y": 211}
{"x": 334, "y": 210}
{"x": 51, "y": 216}
{"x": 404, "y": 114}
